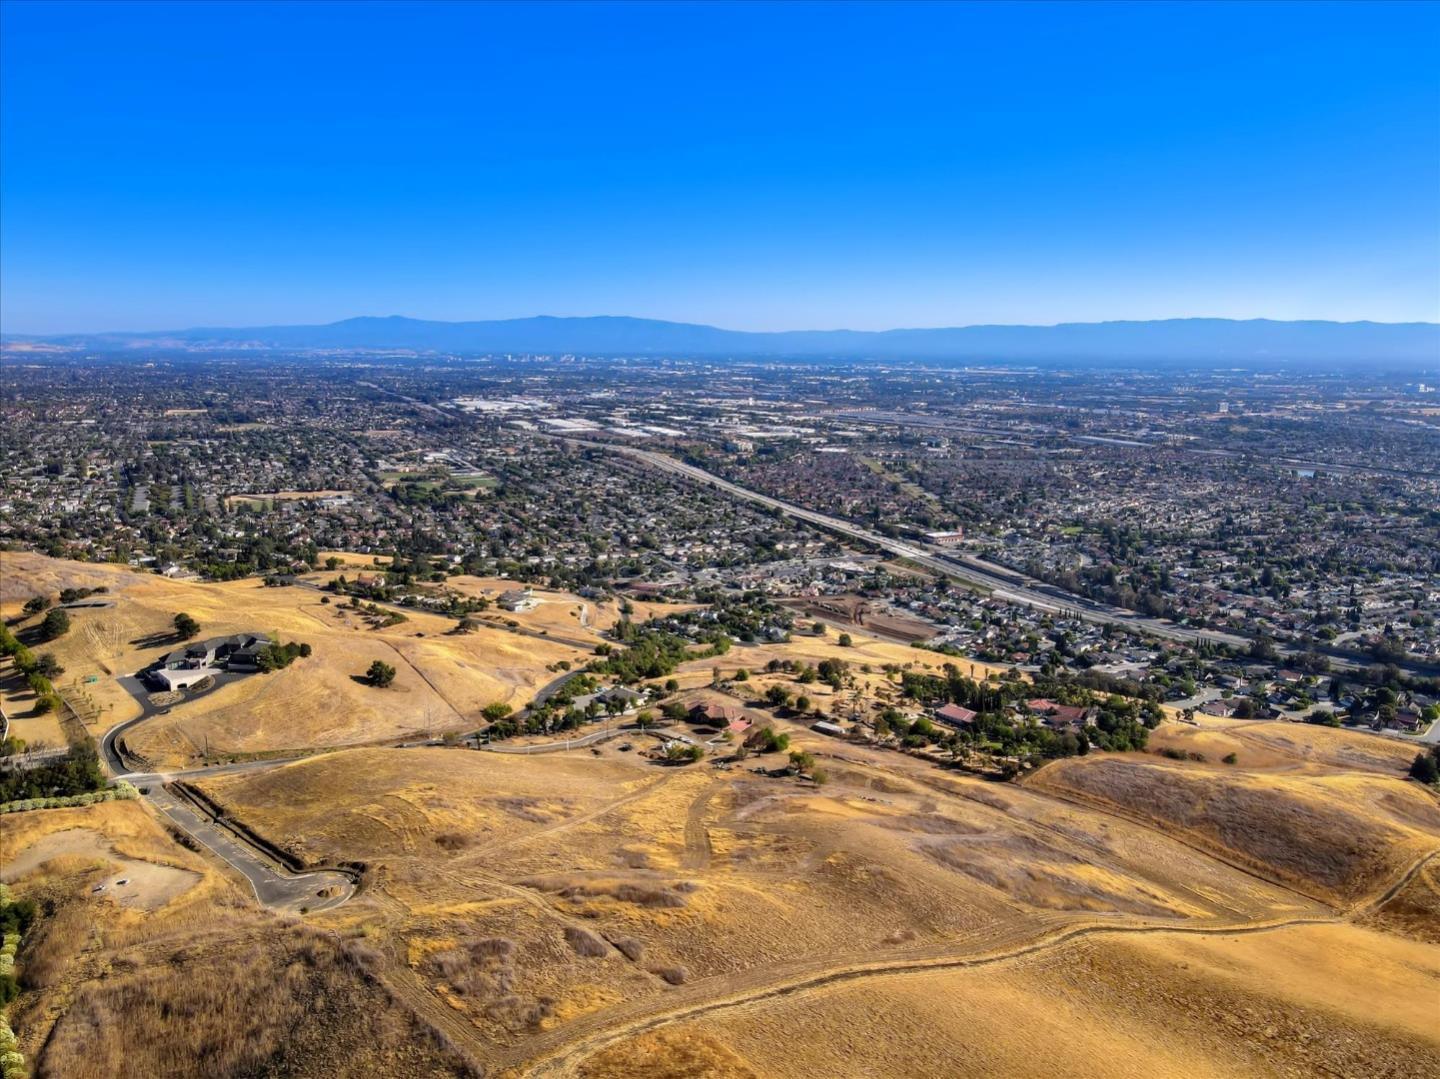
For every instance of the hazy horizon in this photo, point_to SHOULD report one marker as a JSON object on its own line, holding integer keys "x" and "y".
{"x": 703, "y": 323}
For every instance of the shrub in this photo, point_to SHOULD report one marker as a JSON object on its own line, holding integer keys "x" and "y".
{"x": 584, "y": 942}
{"x": 629, "y": 947}
{"x": 380, "y": 674}
{"x": 276, "y": 657}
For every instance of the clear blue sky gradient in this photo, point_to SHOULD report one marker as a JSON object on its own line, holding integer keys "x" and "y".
{"x": 746, "y": 165}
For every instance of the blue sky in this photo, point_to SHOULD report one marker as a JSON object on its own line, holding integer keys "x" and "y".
{"x": 746, "y": 165}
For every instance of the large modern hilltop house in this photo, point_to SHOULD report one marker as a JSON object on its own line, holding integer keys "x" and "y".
{"x": 194, "y": 662}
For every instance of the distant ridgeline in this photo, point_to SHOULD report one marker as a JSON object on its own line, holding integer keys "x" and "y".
{"x": 1193, "y": 342}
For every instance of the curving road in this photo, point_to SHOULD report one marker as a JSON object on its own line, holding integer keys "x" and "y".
{"x": 274, "y": 885}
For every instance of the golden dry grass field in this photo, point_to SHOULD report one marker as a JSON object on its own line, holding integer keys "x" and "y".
{"x": 192, "y": 974}
{"x": 597, "y": 912}
{"x": 443, "y": 679}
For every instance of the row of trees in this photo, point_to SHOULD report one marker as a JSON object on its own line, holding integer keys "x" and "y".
{"x": 38, "y": 672}
{"x": 78, "y": 772}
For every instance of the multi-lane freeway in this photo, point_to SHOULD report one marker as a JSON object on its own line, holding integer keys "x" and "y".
{"x": 1003, "y": 583}
{"x": 999, "y": 581}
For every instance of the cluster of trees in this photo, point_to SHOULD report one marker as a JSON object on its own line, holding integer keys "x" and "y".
{"x": 425, "y": 492}
{"x": 830, "y": 671}
{"x": 37, "y": 670}
{"x": 121, "y": 791}
{"x": 54, "y": 625}
{"x": 650, "y": 652}
{"x": 16, "y": 917}
{"x": 74, "y": 595}
{"x": 765, "y": 740}
{"x": 78, "y": 772}
{"x": 379, "y": 590}
{"x": 1121, "y": 723}
{"x": 748, "y": 617}
{"x": 276, "y": 657}
{"x": 1142, "y": 588}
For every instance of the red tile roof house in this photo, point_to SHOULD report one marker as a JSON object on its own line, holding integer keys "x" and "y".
{"x": 1061, "y": 716}
{"x": 952, "y": 715}
{"x": 715, "y": 715}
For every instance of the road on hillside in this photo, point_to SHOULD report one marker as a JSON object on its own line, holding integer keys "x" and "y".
{"x": 274, "y": 886}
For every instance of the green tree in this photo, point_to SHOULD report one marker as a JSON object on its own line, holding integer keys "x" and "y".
{"x": 778, "y": 696}
{"x": 186, "y": 626}
{"x": 767, "y": 741}
{"x": 55, "y": 625}
{"x": 1426, "y": 767}
{"x": 380, "y": 674}
{"x": 495, "y": 711}
{"x": 35, "y": 604}
{"x": 844, "y": 640}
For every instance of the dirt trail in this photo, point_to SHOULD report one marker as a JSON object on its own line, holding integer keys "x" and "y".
{"x": 697, "y": 836}
{"x": 568, "y": 822}
{"x": 563, "y": 1050}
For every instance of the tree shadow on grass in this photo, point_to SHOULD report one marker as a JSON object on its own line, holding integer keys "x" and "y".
{"x": 155, "y": 640}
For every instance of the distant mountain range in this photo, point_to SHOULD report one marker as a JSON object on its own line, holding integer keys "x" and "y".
{"x": 1206, "y": 341}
